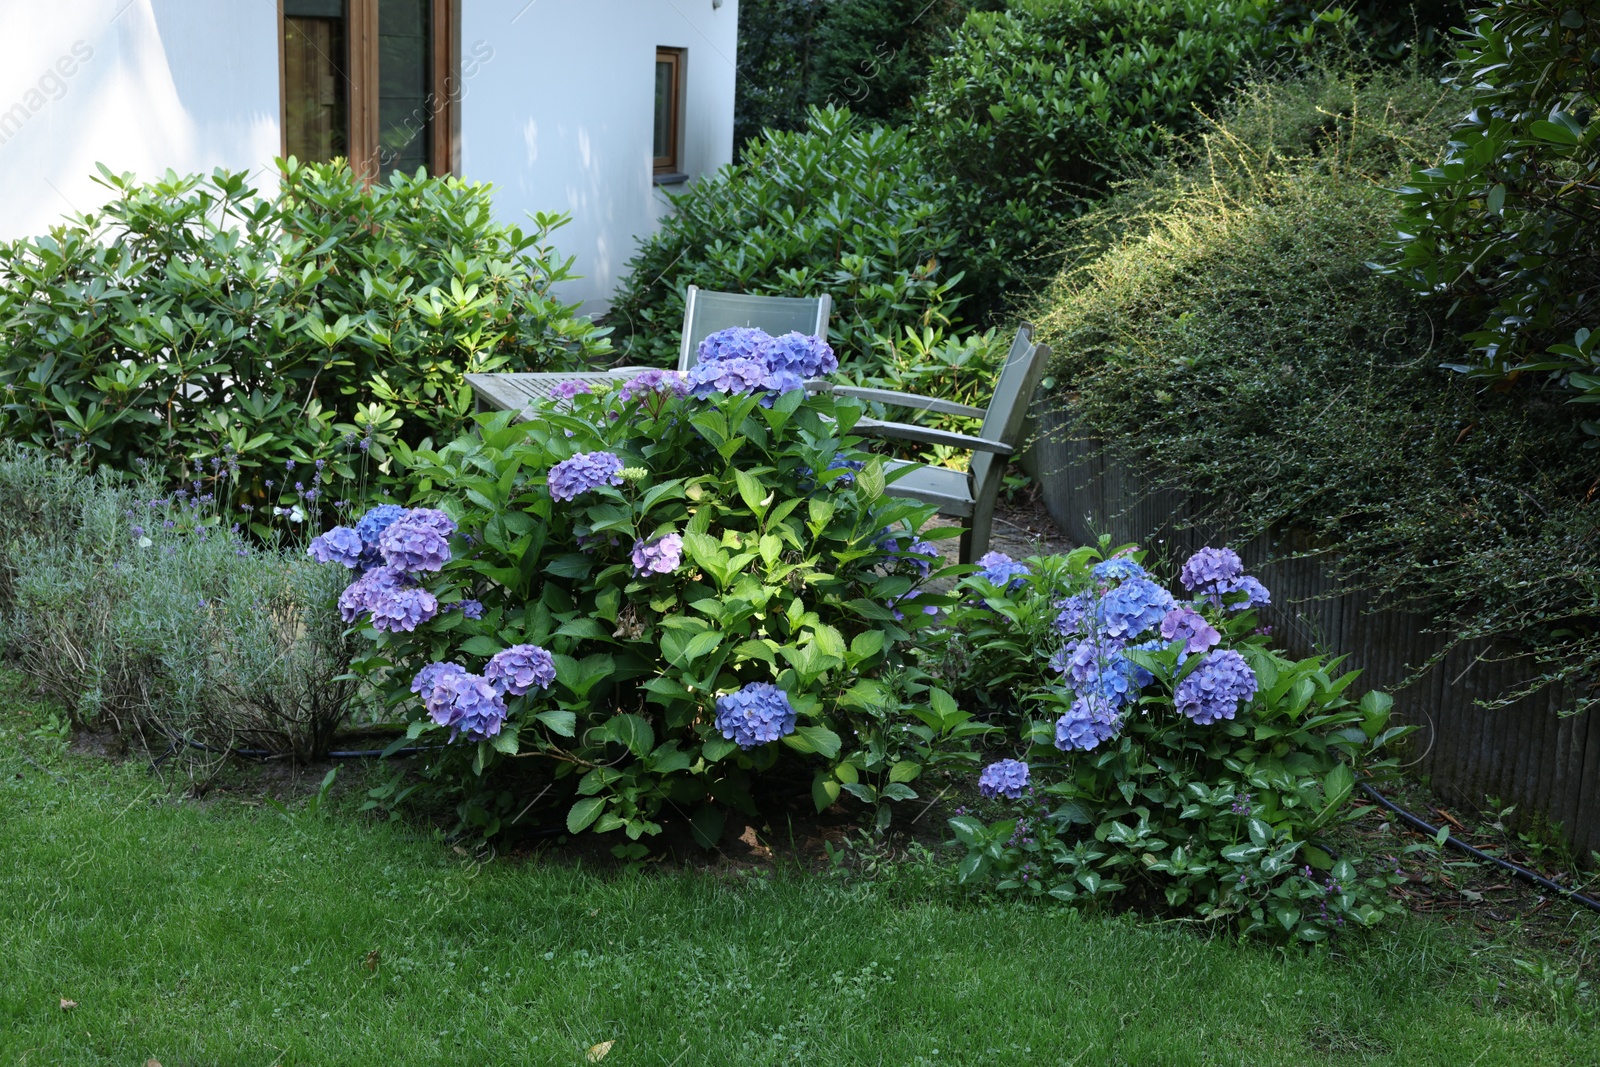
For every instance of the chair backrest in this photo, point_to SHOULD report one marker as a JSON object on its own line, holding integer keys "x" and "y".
{"x": 706, "y": 312}
{"x": 1008, "y": 408}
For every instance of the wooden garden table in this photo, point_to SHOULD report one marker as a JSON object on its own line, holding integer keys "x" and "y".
{"x": 519, "y": 391}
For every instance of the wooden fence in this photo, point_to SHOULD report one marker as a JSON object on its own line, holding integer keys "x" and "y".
{"x": 1526, "y": 753}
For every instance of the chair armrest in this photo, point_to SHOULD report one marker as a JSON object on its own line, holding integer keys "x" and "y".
{"x": 929, "y": 436}
{"x": 907, "y": 400}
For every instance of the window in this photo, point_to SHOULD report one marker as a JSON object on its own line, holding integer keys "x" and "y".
{"x": 369, "y": 80}
{"x": 669, "y": 105}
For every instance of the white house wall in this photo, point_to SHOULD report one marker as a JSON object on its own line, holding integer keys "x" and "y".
{"x": 561, "y": 118}
{"x": 558, "y": 116}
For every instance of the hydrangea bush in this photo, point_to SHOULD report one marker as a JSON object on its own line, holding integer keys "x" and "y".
{"x": 650, "y": 594}
{"x": 1183, "y": 763}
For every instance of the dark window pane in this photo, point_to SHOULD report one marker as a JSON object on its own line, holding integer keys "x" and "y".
{"x": 665, "y": 72}
{"x": 405, "y": 77}
{"x": 315, "y": 90}
{"x": 314, "y": 9}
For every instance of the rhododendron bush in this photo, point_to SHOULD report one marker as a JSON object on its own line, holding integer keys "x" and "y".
{"x": 655, "y": 594}
{"x": 1182, "y": 763}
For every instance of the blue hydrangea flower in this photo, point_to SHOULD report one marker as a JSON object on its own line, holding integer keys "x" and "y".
{"x": 1003, "y": 572}
{"x": 1006, "y": 778}
{"x": 650, "y": 382}
{"x": 429, "y": 677}
{"x": 1117, "y": 569}
{"x": 467, "y": 704}
{"x": 754, "y": 715}
{"x": 1190, "y": 627}
{"x": 1133, "y": 607}
{"x": 472, "y": 609}
{"x": 356, "y": 600}
{"x": 661, "y": 556}
{"x": 416, "y": 542}
{"x": 1256, "y": 594}
{"x": 517, "y": 669}
{"x": 734, "y": 376}
{"x": 371, "y": 525}
{"x": 1216, "y": 689}
{"x": 1085, "y": 726}
{"x": 404, "y": 608}
{"x": 802, "y": 354}
{"x": 582, "y": 473}
{"x": 1077, "y": 614}
{"x": 919, "y": 554}
{"x": 1097, "y": 669}
{"x": 1210, "y": 570}
{"x": 736, "y": 342}
{"x": 569, "y": 388}
{"x": 340, "y": 545}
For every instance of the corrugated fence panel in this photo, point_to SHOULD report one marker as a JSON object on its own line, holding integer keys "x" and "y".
{"x": 1526, "y": 753}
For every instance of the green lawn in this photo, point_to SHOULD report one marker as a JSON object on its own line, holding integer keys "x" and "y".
{"x": 218, "y": 933}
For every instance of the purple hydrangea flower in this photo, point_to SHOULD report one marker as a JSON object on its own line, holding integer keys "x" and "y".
{"x": 340, "y": 545}
{"x": 727, "y": 376}
{"x": 1189, "y": 626}
{"x": 416, "y": 543}
{"x": 651, "y": 382}
{"x": 1006, "y": 778}
{"x": 1002, "y": 571}
{"x": 356, "y": 600}
{"x": 661, "y": 556}
{"x": 736, "y": 342}
{"x": 920, "y": 554}
{"x": 517, "y": 669}
{"x": 1085, "y": 726}
{"x": 754, "y": 715}
{"x": 404, "y": 608}
{"x": 1077, "y": 613}
{"x": 841, "y": 463}
{"x": 802, "y": 354}
{"x": 1133, "y": 607}
{"x": 1210, "y": 570}
{"x": 1097, "y": 669}
{"x": 467, "y": 704}
{"x": 429, "y": 677}
{"x": 584, "y": 472}
{"x": 1256, "y": 594}
{"x": 1117, "y": 569}
{"x": 569, "y": 388}
{"x": 1215, "y": 689}
{"x": 371, "y": 525}
{"x": 472, "y": 609}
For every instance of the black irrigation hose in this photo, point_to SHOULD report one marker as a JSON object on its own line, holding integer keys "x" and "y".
{"x": 1521, "y": 872}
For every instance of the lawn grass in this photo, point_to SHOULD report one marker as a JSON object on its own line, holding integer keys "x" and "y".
{"x": 220, "y": 933}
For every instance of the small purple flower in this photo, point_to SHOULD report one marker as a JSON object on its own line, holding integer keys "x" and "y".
{"x": 1189, "y": 626}
{"x": 340, "y": 545}
{"x": 417, "y": 541}
{"x": 1006, "y": 778}
{"x": 1216, "y": 689}
{"x": 582, "y": 473}
{"x": 661, "y": 556}
{"x": 467, "y": 704}
{"x": 758, "y": 713}
{"x": 1210, "y": 570}
{"x": 371, "y": 525}
{"x": 516, "y": 670}
{"x": 1003, "y": 572}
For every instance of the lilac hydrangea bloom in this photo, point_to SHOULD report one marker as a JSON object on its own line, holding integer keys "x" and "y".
{"x": 1098, "y": 670}
{"x": 736, "y": 342}
{"x": 429, "y": 677}
{"x": 340, "y": 545}
{"x": 1256, "y": 594}
{"x": 472, "y": 609}
{"x": 517, "y": 669}
{"x": 467, "y": 704}
{"x": 1210, "y": 570}
{"x": 356, "y": 600}
{"x": 1077, "y": 612}
{"x": 650, "y": 382}
{"x": 1005, "y": 778}
{"x": 661, "y": 556}
{"x": 404, "y": 608}
{"x": 1215, "y": 689}
{"x": 417, "y": 541}
{"x": 1117, "y": 569}
{"x": 754, "y": 715}
{"x": 1003, "y": 572}
{"x": 1189, "y": 626}
{"x": 920, "y": 554}
{"x": 371, "y": 525}
{"x": 584, "y": 472}
{"x": 1085, "y": 726}
{"x": 802, "y": 354}
{"x": 727, "y": 376}
{"x": 1133, "y": 607}
{"x": 569, "y": 388}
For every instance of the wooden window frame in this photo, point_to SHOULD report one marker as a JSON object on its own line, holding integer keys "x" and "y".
{"x": 672, "y": 162}
{"x": 361, "y": 34}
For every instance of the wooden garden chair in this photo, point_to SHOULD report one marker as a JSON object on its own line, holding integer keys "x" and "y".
{"x": 970, "y": 494}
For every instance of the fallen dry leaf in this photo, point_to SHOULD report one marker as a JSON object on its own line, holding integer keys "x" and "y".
{"x": 68, "y": 1005}
{"x": 598, "y": 1052}
{"x": 372, "y": 960}
{"x": 152, "y": 1062}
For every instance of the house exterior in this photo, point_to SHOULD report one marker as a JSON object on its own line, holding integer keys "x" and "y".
{"x": 593, "y": 107}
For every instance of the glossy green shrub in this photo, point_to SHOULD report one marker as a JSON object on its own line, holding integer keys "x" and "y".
{"x": 191, "y": 319}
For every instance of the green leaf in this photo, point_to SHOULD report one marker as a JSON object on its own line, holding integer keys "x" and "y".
{"x": 717, "y": 748}
{"x": 824, "y": 791}
{"x": 707, "y": 826}
{"x": 631, "y": 731}
{"x": 1554, "y": 132}
{"x": 584, "y": 813}
{"x": 752, "y": 492}
{"x": 823, "y": 741}
{"x": 506, "y": 740}
{"x": 481, "y": 646}
{"x": 905, "y": 771}
{"x": 564, "y": 723}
